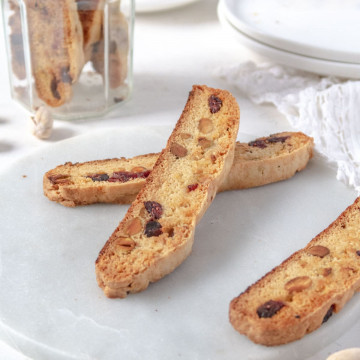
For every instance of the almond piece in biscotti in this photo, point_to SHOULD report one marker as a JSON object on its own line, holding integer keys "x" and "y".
{"x": 133, "y": 226}
{"x": 178, "y": 150}
{"x": 318, "y": 250}
{"x": 205, "y": 143}
{"x": 124, "y": 244}
{"x": 298, "y": 284}
{"x": 205, "y": 126}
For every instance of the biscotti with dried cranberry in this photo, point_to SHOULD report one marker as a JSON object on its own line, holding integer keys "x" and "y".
{"x": 157, "y": 232}
{"x": 259, "y": 162}
{"x": 297, "y": 296}
{"x": 56, "y": 40}
{"x": 101, "y": 181}
{"x": 268, "y": 159}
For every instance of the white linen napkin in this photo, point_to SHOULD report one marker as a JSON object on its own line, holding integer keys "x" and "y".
{"x": 326, "y": 108}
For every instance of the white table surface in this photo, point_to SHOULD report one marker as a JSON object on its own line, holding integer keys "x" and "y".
{"x": 173, "y": 50}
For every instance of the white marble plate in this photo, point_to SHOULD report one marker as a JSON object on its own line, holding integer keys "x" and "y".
{"x": 52, "y": 308}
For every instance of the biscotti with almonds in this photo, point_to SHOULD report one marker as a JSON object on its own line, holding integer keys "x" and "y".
{"x": 300, "y": 294}
{"x": 56, "y": 40}
{"x": 262, "y": 161}
{"x": 157, "y": 232}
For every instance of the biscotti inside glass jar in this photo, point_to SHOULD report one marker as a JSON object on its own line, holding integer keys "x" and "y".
{"x": 72, "y": 56}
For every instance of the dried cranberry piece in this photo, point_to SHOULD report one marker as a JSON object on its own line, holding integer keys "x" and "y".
{"x": 54, "y": 88}
{"x": 276, "y": 139}
{"x": 258, "y": 143}
{"x": 121, "y": 176}
{"x": 269, "y": 309}
{"x": 99, "y": 177}
{"x": 262, "y": 143}
{"x": 192, "y": 187}
{"x": 153, "y": 228}
{"x": 328, "y": 313}
{"x": 214, "y": 104}
{"x": 154, "y": 209}
{"x": 124, "y": 176}
{"x": 143, "y": 174}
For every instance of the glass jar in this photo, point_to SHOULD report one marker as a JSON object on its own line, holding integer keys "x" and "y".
{"x": 72, "y": 56}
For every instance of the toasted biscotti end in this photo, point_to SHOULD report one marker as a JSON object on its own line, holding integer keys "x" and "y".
{"x": 300, "y": 294}
{"x": 91, "y": 14}
{"x": 157, "y": 232}
{"x": 56, "y": 40}
{"x": 108, "y": 181}
{"x": 268, "y": 159}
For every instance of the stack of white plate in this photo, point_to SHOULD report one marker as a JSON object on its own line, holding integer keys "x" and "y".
{"x": 318, "y": 36}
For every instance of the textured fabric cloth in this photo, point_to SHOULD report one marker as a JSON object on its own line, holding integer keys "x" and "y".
{"x": 326, "y": 108}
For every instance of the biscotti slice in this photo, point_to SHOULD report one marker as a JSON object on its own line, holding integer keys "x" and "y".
{"x": 91, "y": 14}
{"x": 56, "y": 41}
{"x": 118, "y": 48}
{"x": 297, "y": 296}
{"x": 268, "y": 159}
{"x": 259, "y": 162}
{"x": 157, "y": 232}
{"x": 101, "y": 181}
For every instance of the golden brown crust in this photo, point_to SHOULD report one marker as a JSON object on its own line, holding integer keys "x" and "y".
{"x": 157, "y": 232}
{"x": 306, "y": 288}
{"x": 252, "y": 166}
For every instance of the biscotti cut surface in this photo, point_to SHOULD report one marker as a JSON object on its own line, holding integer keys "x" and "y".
{"x": 268, "y": 159}
{"x": 259, "y": 162}
{"x": 300, "y": 294}
{"x": 107, "y": 181}
{"x": 157, "y": 232}
{"x": 56, "y": 40}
